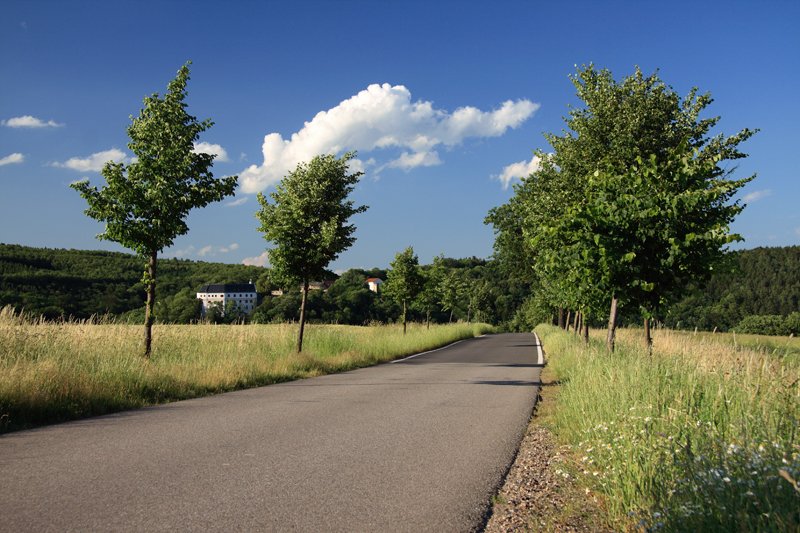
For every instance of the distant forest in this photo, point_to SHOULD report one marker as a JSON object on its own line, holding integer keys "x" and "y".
{"x": 59, "y": 283}
{"x": 80, "y": 283}
{"x": 761, "y": 281}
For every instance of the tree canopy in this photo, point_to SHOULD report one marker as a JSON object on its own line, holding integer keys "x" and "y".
{"x": 632, "y": 204}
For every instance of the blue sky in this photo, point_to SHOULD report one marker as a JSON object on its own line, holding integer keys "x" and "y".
{"x": 439, "y": 98}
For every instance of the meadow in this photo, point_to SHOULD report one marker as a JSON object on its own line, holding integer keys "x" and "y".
{"x": 700, "y": 436}
{"x": 56, "y": 371}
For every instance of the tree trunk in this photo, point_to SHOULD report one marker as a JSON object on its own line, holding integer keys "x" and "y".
{"x": 612, "y": 324}
{"x": 575, "y": 323}
{"x": 151, "y": 298}
{"x": 428, "y": 319}
{"x": 648, "y": 339}
{"x": 566, "y": 323}
{"x": 561, "y": 317}
{"x": 585, "y": 332}
{"x": 404, "y": 317}
{"x": 579, "y": 329}
{"x": 450, "y": 320}
{"x": 302, "y": 317}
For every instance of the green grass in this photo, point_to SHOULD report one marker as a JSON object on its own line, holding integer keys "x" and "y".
{"x": 52, "y": 372}
{"x": 702, "y": 436}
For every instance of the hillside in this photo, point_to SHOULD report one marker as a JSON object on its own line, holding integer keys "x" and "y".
{"x": 81, "y": 283}
{"x": 761, "y": 281}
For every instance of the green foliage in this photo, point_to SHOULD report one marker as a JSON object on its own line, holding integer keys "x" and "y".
{"x": 761, "y": 281}
{"x": 404, "y": 279}
{"x": 770, "y": 324}
{"x": 308, "y": 221}
{"x": 144, "y": 204}
{"x": 633, "y": 203}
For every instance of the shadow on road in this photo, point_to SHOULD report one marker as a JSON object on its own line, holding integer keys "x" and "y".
{"x": 512, "y": 382}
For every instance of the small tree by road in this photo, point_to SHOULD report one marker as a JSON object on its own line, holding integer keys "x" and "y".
{"x": 308, "y": 222}
{"x": 404, "y": 280}
{"x": 144, "y": 204}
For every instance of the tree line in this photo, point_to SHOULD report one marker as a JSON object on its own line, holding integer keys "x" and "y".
{"x": 632, "y": 205}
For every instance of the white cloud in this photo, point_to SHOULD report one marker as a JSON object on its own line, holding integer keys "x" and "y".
{"x": 380, "y": 117}
{"x": 260, "y": 260}
{"x": 407, "y": 161}
{"x": 27, "y": 121}
{"x": 12, "y": 159}
{"x": 237, "y": 202}
{"x": 518, "y": 171}
{"x": 212, "y": 149}
{"x": 757, "y": 195}
{"x": 205, "y": 251}
{"x": 215, "y": 250}
{"x": 94, "y": 162}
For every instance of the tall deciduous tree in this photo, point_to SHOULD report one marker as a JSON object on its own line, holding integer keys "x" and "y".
{"x": 634, "y": 201}
{"x": 308, "y": 221}
{"x": 144, "y": 204}
{"x": 404, "y": 280}
{"x": 428, "y": 296}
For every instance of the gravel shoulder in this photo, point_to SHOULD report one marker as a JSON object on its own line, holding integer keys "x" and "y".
{"x": 537, "y": 494}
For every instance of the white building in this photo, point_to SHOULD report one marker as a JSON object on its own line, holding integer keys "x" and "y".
{"x": 241, "y": 295}
{"x": 374, "y": 284}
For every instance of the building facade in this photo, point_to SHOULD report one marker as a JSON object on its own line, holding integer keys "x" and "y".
{"x": 374, "y": 284}
{"x": 242, "y": 296}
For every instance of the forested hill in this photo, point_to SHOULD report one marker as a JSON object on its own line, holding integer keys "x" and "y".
{"x": 763, "y": 281}
{"x": 80, "y": 283}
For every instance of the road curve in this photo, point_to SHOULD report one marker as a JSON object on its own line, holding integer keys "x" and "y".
{"x": 416, "y": 445}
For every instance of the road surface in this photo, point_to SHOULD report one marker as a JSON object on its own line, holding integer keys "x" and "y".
{"x": 420, "y": 444}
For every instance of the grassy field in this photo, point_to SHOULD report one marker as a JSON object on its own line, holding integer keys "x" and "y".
{"x": 59, "y": 371}
{"x": 702, "y": 436}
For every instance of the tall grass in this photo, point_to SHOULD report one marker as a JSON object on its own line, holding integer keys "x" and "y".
{"x": 59, "y": 371}
{"x": 700, "y": 436}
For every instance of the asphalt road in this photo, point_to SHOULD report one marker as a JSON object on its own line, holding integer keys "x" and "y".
{"x": 415, "y": 445}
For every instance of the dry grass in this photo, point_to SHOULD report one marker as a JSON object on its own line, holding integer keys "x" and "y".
{"x": 59, "y": 371}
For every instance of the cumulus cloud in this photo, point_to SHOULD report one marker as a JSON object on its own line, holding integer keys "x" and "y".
{"x": 382, "y": 117}
{"x": 95, "y": 162}
{"x": 757, "y": 195}
{"x": 212, "y": 149}
{"x": 12, "y": 159}
{"x": 27, "y": 121}
{"x": 260, "y": 260}
{"x": 237, "y": 202}
{"x": 518, "y": 171}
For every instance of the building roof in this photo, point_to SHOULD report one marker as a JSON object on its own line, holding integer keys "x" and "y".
{"x": 228, "y": 287}
{"x": 374, "y": 280}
